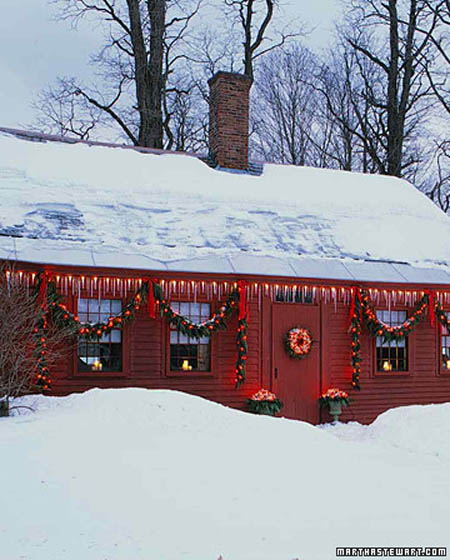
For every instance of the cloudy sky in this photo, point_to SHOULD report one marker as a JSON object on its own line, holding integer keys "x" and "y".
{"x": 35, "y": 49}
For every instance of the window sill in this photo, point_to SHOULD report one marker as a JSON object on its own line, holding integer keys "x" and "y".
{"x": 385, "y": 374}
{"x": 189, "y": 374}
{"x": 99, "y": 374}
{"x": 444, "y": 372}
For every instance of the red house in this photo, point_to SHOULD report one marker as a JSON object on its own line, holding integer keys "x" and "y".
{"x": 145, "y": 249}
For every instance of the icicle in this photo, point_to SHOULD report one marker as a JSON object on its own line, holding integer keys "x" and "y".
{"x": 333, "y": 295}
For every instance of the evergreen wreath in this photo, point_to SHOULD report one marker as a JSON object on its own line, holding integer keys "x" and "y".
{"x": 298, "y": 342}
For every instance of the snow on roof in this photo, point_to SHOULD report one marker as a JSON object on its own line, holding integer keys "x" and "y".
{"x": 104, "y": 206}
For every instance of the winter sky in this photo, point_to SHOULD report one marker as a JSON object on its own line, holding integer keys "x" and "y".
{"x": 35, "y": 49}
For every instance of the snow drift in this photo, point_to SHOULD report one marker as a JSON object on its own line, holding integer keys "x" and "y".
{"x": 141, "y": 474}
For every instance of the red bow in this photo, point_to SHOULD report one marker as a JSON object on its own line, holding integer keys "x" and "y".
{"x": 432, "y": 303}
{"x": 150, "y": 299}
{"x": 356, "y": 293}
{"x": 243, "y": 306}
{"x": 43, "y": 288}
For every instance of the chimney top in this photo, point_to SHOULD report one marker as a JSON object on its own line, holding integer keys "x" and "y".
{"x": 228, "y": 119}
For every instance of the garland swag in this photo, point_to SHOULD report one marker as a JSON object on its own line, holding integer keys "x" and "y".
{"x": 151, "y": 293}
{"x": 362, "y": 310}
{"x": 442, "y": 317}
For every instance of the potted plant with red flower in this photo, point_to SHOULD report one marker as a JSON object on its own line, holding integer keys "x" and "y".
{"x": 264, "y": 402}
{"x": 333, "y": 400}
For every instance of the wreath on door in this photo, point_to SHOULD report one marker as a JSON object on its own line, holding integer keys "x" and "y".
{"x": 298, "y": 342}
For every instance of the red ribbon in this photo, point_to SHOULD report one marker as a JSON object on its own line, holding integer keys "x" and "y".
{"x": 355, "y": 294}
{"x": 150, "y": 299}
{"x": 432, "y": 303}
{"x": 43, "y": 288}
{"x": 243, "y": 306}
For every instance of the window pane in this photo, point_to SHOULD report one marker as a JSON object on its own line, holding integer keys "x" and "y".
{"x": 205, "y": 311}
{"x": 186, "y": 353}
{"x": 116, "y": 306}
{"x": 82, "y": 305}
{"x": 184, "y": 309}
{"x": 445, "y": 347}
{"x": 116, "y": 335}
{"x": 106, "y": 353}
{"x": 393, "y": 355}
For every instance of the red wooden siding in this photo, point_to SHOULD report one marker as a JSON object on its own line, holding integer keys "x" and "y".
{"x": 145, "y": 352}
{"x": 423, "y": 384}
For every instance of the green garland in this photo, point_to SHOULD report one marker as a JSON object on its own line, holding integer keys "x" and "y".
{"x": 399, "y": 332}
{"x": 62, "y": 317}
{"x": 355, "y": 331}
{"x": 189, "y": 328}
{"x": 242, "y": 346}
{"x": 442, "y": 317}
{"x": 363, "y": 310}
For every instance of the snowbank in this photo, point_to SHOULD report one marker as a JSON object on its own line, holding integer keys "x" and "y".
{"x": 174, "y": 207}
{"x": 142, "y": 474}
{"x": 414, "y": 429}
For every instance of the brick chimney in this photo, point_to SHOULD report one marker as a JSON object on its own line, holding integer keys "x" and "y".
{"x": 228, "y": 119}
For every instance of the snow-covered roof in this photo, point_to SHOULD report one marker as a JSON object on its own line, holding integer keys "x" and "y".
{"x": 78, "y": 204}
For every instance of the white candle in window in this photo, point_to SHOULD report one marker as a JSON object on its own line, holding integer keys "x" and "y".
{"x": 387, "y": 366}
{"x": 97, "y": 365}
{"x": 185, "y": 366}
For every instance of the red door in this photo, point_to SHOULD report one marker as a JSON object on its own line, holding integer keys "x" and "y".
{"x": 296, "y": 382}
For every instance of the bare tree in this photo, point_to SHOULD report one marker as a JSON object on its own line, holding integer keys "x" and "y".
{"x": 284, "y": 112}
{"x": 19, "y": 315}
{"x": 440, "y": 187}
{"x": 394, "y": 88}
{"x": 439, "y": 73}
{"x": 255, "y": 17}
{"x": 136, "y": 68}
{"x": 335, "y": 82}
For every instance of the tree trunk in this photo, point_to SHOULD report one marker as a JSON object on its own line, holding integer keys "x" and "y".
{"x": 394, "y": 151}
{"x": 148, "y": 71}
{"x": 157, "y": 13}
{"x": 4, "y": 408}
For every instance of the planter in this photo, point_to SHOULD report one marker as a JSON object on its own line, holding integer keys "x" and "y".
{"x": 335, "y": 408}
{"x": 264, "y": 402}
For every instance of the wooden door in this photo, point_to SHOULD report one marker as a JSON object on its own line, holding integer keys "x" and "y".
{"x": 296, "y": 382}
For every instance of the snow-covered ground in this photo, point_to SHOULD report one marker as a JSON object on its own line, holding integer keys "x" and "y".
{"x": 134, "y": 474}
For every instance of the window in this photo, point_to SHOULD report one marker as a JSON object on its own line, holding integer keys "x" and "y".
{"x": 299, "y": 295}
{"x": 104, "y": 354}
{"x": 445, "y": 347}
{"x": 392, "y": 356}
{"x": 190, "y": 354}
